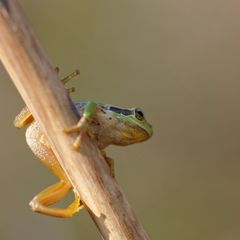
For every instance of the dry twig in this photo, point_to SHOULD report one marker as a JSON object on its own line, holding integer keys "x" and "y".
{"x": 38, "y": 84}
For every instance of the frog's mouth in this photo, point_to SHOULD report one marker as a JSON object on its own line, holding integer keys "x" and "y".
{"x": 140, "y": 126}
{"x": 134, "y": 133}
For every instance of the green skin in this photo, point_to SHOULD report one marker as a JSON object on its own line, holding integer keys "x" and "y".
{"x": 113, "y": 125}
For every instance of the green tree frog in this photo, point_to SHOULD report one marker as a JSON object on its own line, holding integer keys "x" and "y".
{"x": 106, "y": 123}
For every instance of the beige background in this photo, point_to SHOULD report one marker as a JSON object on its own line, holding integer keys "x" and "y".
{"x": 178, "y": 61}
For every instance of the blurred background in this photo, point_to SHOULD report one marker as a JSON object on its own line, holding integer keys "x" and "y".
{"x": 178, "y": 61}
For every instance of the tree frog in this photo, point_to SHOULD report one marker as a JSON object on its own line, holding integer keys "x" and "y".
{"x": 106, "y": 123}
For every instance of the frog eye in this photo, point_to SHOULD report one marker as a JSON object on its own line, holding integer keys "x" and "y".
{"x": 139, "y": 114}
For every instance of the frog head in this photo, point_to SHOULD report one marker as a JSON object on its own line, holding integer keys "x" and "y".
{"x": 134, "y": 127}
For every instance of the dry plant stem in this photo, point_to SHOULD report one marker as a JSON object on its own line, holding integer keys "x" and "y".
{"x": 38, "y": 84}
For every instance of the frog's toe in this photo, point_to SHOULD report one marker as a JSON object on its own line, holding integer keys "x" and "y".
{"x": 75, "y": 128}
{"x": 71, "y": 90}
{"x": 70, "y": 76}
{"x": 77, "y": 143}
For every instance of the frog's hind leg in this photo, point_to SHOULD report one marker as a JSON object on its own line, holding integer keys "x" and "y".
{"x": 53, "y": 194}
{"x": 43, "y": 202}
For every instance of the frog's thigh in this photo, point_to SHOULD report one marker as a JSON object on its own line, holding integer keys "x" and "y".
{"x": 53, "y": 194}
{"x": 40, "y": 147}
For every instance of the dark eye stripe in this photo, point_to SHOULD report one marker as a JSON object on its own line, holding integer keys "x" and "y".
{"x": 126, "y": 112}
{"x": 115, "y": 109}
{"x": 120, "y": 110}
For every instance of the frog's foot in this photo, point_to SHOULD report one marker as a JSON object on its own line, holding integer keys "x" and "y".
{"x": 53, "y": 194}
{"x": 80, "y": 127}
{"x": 83, "y": 123}
{"x": 70, "y": 76}
{"x": 71, "y": 90}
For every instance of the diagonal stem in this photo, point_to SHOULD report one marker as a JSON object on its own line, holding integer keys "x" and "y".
{"x": 38, "y": 84}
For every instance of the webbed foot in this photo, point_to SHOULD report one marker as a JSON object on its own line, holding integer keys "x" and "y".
{"x": 42, "y": 202}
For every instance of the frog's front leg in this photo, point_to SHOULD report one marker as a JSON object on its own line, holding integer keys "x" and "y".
{"x": 82, "y": 125}
{"x": 110, "y": 163}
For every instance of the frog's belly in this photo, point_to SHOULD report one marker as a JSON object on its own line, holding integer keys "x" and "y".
{"x": 35, "y": 138}
{"x": 39, "y": 145}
